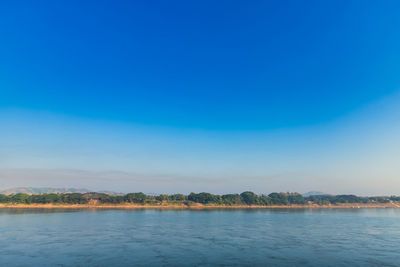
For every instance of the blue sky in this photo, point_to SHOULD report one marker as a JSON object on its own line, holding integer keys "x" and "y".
{"x": 179, "y": 96}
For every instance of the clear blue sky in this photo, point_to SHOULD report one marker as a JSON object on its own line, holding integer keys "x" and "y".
{"x": 179, "y": 95}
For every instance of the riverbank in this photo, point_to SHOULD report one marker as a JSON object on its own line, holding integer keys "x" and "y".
{"x": 195, "y": 206}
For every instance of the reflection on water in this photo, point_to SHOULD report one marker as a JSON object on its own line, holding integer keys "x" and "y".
{"x": 278, "y": 237}
{"x": 36, "y": 210}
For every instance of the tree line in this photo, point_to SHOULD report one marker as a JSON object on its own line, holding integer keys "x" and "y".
{"x": 245, "y": 198}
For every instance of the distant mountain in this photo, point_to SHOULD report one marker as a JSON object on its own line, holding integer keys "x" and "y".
{"x": 42, "y": 190}
{"x": 313, "y": 193}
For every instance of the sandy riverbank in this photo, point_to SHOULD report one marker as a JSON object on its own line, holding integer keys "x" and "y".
{"x": 196, "y": 206}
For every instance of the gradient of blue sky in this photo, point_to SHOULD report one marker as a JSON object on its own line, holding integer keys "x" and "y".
{"x": 181, "y": 96}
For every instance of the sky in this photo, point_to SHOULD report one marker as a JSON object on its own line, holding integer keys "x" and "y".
{"x": 192, "y": 96}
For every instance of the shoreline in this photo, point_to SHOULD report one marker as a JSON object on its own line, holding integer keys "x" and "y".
{"x": 194, "y": 207}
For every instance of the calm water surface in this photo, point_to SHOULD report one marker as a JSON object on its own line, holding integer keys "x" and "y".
{"x": 362, "y": 237}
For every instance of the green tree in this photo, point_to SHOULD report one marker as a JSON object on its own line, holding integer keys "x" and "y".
{"x": 162, "y": 197}
{"x": 20, "y": 198}
{"x": 296, "y": 198}
{"x": 279, "y": 198}
{"x": 250, "y": 198}
{"x": 205, "y": 198}
{"x": 232, "y": 199}
{"x": 4, "y": 198}
{"x": 178, "y": 197}
{"x": 136, "y": 197}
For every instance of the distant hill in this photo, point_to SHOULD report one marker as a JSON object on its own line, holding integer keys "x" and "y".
{"x": 42, "y": 190}
{"x": 313, "y": 193}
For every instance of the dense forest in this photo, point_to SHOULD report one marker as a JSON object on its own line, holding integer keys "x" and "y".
{"x": 245, "y": 198}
